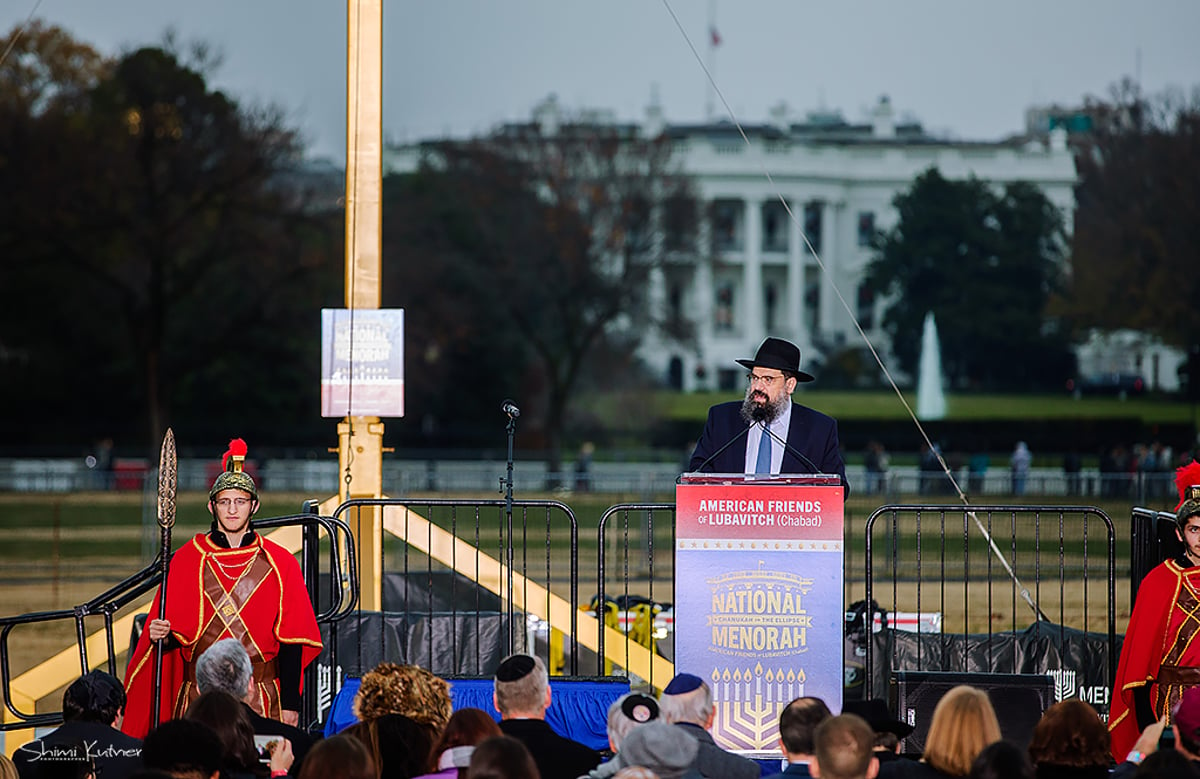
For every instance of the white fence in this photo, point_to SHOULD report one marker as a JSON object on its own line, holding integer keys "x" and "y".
{"x": 643, "y": 480}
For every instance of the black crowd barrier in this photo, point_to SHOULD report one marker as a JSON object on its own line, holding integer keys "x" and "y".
{"x": 992, "y": 589}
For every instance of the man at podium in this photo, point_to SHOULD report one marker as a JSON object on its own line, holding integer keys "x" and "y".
{"x": 766, "y": 433}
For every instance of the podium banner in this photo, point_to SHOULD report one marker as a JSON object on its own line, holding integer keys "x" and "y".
{"x": 758, "y": 601}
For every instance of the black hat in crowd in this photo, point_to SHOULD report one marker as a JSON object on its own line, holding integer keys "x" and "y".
{"x": 875, "y": 712}
{"x": 779, "y": 354}
{"x": 95, "y": 693}
{"x": 515, "y": 668}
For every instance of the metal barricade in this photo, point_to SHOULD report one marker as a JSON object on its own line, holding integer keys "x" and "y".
{"x": 457, "y": 570}
{"x": 341, "y": 571}
{"x": 641, "y": 591}
{"x": 1152, "y": 539}
{"x": 1014, "y": 588}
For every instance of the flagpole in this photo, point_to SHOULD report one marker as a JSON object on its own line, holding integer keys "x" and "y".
{"x": 713, "y": 41}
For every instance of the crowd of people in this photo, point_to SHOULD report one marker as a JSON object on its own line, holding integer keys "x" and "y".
{"x": 1144, "y": 472}
{"x": 406, "y": 729}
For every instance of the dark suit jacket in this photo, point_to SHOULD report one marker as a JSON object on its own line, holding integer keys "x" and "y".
{"x": 556, "y": 757}
{"x": 116, "y": 755}
{"x": 714, "y": 762}
{"x": 793, "y": 769}
{"x": 811, "y": 433}
{"x": 301, "y": 741}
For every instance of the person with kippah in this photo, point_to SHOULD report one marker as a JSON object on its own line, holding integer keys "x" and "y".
{"x": 687, "y": 703}
{"x": 631, "y": 710}
{"x": 227, "y": 583}
{"x": 522, "y": 695}
{"x": 1160, "y": 658}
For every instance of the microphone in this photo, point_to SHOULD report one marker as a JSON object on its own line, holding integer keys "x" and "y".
{"x": 800, "y": 456}
{"x": 510, "y": 408}
{"x": 745, "y": 431}
{"x": 789, "y": 448}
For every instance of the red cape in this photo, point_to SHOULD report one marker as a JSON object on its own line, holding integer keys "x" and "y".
{"x": 278, "y": 611}
{"x": 1154, "y": 627}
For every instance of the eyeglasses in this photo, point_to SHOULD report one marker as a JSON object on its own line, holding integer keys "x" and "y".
{"x": 225, "y": 503}
{"x": 766, "y": 381}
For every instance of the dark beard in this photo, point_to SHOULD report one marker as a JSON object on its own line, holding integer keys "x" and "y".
{"x": 765, "y": 413}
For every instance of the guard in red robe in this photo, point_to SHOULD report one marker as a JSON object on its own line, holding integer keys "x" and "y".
{"x": 1160, "y": 657}
{"x": 229, "y": 582}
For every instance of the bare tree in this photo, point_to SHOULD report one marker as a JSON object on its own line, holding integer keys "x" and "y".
{"x": 561, "y": 236}
{"x": 1137, "y": 223}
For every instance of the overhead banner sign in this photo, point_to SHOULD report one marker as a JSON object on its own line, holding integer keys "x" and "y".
{"x": 758, "y": 601}
{"x": 362, "y": 362}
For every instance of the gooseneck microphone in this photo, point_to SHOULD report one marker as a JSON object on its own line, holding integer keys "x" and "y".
{"x": 789, "y": 448}
{"x": 766, "y": 431}
{"x": 510, "y": 408}
{"x": 708, "y": 460}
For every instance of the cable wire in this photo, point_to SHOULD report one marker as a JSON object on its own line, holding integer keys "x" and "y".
{"x": 854, "y": 318}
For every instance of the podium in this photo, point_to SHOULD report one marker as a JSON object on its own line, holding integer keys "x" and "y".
{"x": 758, "y": 597}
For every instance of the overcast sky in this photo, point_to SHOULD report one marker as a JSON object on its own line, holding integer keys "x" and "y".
{"x": 964, "y": 68}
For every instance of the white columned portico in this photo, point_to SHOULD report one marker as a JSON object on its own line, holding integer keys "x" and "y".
{"x": 830, "y": 217}
{"x": 794, "y": 311}
{"x": 702, "y": 295}
{"x": 752, "y": 323}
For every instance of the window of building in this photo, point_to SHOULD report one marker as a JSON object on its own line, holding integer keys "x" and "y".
{"x": 730, "y": 379}
{"x": 866, "y": 306}
{"x": 774, "y": 227}
{"x": 866, "y": 227}
{"x": 679, "y": 224}
{"x": 727, "y": 228}
{"x": 812, "y": 298}
{"x": 675, "y": 303}
{"x": 812, "y": 225}
{"x": 770, "y": 306}
{"x": 675, "y": 373}
{"x": 636, "y": 223}
{"x": 723, "y": 311}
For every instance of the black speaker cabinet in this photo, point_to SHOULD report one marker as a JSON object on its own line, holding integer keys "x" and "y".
{"x": 1019, "y": 700}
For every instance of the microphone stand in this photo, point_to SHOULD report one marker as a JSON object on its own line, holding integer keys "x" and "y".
{"x": 507, "y": 483}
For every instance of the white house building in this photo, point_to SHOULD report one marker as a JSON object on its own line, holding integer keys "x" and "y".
{"x": 837, "y": 179}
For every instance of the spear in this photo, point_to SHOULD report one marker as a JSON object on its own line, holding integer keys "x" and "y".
{"x": 168, "y": 480}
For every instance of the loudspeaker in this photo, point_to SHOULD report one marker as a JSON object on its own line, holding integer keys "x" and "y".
{"x": 1019, "y": 701}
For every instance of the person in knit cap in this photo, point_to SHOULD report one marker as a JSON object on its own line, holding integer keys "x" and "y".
{"x": 522, "y": 695}
{"x": 1160, "y": 657}
{"x": 687, "y": 703}
{"x": 228, "y": 582}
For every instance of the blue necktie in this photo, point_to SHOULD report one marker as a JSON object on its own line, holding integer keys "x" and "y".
{"x": 764, "y": 453}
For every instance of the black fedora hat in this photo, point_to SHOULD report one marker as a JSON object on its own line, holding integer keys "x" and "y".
{"x": 780, "y": 354}
{"x": 876, "y": 713}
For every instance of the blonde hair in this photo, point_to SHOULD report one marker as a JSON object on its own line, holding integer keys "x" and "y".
{"x": 7, "y": 769}
{"x": 403, "y": 689}
{"x": 964, "y": 722}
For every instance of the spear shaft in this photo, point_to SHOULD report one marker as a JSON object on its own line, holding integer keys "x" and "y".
{"x": 168, "y": 480}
